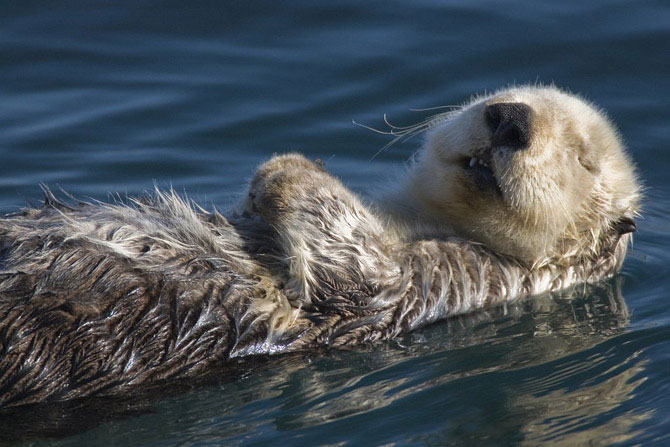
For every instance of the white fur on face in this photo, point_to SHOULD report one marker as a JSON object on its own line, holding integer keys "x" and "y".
{"x": 552, "y": 198}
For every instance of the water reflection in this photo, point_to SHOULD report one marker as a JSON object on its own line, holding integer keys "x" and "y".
{"x": 543, "y": 370}
{"x": 537, "y": 356}
{"x": 586, "y": 416}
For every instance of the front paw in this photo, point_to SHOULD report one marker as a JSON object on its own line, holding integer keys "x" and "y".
{"x": 279, "y": 183}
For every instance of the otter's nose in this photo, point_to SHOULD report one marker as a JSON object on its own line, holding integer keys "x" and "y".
{"x": 510, "y": 123}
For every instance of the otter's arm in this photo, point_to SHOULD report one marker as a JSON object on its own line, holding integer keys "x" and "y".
{"x": 442, "y": 279}
{"x": 361, "y": 284}
{"x": 332, "y": 244}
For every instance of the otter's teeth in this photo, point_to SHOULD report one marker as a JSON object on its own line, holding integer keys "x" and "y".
{"x": 474, "y": 161}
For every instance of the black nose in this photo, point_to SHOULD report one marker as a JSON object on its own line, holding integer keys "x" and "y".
{"x": 510, "y": 123}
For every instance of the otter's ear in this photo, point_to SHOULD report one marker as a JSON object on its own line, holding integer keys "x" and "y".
{"x": 625, "y": 225}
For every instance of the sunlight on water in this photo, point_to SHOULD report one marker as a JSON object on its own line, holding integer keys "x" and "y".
{"x": 102, "y": 97}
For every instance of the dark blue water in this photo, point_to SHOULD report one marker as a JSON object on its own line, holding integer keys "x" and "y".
{"x": 105, "y": 96}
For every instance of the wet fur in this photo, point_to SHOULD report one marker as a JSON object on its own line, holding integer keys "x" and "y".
{"x": 99, "y": 298}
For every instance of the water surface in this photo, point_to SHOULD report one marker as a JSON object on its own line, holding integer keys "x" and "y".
{"x": 100, "y": 97}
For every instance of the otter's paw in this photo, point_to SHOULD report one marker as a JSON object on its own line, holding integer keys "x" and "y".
{"x": 281, "y": 183}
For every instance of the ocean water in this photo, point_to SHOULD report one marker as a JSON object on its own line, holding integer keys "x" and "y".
{"x": 102, "y": 97}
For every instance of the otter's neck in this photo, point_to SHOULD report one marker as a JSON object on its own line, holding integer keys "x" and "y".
{"x": 402, "y": 210}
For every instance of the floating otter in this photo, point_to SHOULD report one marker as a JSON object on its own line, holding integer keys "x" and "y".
{"x": 521, "y": 192}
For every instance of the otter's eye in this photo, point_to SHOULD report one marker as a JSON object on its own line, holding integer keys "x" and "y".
{"x": 588, "y": 159}
{"x": 588, "y": 164}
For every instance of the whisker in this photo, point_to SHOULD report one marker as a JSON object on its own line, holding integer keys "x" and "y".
{"x": 404, "y": 133}
{"x": 386, "y": 146}
{"x": 382, "y": 132}
{"x": 405, "y": 136}
{"x": 428, "y": 109}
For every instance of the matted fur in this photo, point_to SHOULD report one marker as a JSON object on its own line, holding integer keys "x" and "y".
{"x": 99, "y": 298}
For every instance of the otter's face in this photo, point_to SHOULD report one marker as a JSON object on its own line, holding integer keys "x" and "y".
{"x": 532, "y": 172}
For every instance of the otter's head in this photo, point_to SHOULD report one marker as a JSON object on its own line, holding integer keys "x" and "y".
{"x": 532, "y": 172}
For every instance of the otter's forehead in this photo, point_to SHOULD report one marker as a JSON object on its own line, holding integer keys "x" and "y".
{"x": 536, "y": 96}
{"x": 542, "y": 115}
{"x": 552, "y": 104}
{"x": 552, "y": 116}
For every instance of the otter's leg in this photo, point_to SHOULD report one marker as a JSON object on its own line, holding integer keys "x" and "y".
{"x": 333, "y": 244}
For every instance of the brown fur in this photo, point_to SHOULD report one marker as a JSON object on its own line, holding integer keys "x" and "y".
{"x": 98, "y": 298}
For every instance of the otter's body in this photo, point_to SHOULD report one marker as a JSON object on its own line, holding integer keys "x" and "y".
{"x": 98, "y": 298}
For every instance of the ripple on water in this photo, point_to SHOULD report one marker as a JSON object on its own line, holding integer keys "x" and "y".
{"x": 102, "y": 97}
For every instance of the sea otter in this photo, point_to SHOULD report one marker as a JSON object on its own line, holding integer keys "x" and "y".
{"x": 520, "y": 192}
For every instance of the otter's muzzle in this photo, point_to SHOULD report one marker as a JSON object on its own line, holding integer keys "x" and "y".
{"x": 510, "y": 123}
